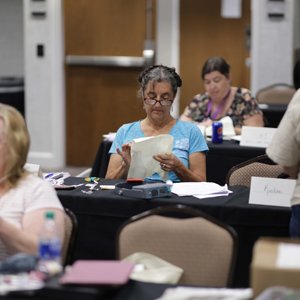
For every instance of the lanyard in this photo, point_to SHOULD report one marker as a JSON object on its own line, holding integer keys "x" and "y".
{"x": 214, "y": 115}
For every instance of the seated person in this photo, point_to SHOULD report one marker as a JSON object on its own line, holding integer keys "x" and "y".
{"x": 221, "y": 99}
{"x": 24, "y": 198}
{"x": 187, "y": 162}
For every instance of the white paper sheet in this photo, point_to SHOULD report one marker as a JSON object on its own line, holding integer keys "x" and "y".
{"x": 142, "y": 150}
{"x": 200, "y": 189}
{"x": 236, "y": 138}
{"x": 221, "y": 194}
{"x": 257, "y": 136}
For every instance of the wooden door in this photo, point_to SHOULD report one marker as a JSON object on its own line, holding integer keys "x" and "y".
{"x": 100, "y": 99}
{"x": 204, "y": 33}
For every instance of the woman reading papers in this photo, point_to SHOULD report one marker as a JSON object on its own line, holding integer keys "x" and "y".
{"x": 186, "y": 160}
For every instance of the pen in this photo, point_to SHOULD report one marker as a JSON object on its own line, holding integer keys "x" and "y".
{"x": 57, "y": 176}
{"x": 49, "y": 175}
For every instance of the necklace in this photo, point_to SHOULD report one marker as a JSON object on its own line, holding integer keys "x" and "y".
{"x": 214, "y": 115}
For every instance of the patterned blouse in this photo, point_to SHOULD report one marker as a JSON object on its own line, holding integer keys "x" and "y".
{"x": 243, "y": 106}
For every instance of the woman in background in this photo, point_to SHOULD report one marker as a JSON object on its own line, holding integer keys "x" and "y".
{"x": 24, "y": 198}
{"x": 221, "y": 99}
{"x": 187, "y": 162}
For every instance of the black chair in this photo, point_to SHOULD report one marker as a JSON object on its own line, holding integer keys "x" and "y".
{"x": 101, "y": 161}
{"x": 71, "y": 231}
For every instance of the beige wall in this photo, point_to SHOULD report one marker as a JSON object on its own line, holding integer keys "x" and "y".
{"x": 12, "y": 59}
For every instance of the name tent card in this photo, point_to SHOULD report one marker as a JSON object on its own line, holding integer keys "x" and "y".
{"x": 257, "y": 136}
{"x": 271, "y": 191}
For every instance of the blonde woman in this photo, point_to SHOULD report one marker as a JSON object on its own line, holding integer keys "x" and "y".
{"x": 24, "y": 198}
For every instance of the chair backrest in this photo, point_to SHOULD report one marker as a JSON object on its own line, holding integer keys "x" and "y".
{"x": 199, "y": 244}
{"x": 71, "y": 228}
{"x": 280, "y": 93}
{"x": 101, "y": 160}
{"x": 260, "y": 166}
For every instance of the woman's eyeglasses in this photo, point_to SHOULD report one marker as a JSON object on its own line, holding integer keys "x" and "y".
{"x": 163, "y": 102}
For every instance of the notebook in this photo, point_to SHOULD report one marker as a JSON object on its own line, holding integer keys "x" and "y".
{"x": 98, "y": 272}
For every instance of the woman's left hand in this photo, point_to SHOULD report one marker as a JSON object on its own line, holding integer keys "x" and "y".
{"x": 168, "y": 161}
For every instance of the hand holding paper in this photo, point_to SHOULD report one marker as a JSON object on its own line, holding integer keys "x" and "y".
{"x": 142, "y": 151}
{"x": 168, "y": 161}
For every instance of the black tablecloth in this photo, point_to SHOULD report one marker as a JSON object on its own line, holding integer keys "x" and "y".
{"x": 101, "y": 214}
{"x": 133, "y": 290}
{"x": 220, "y": 158}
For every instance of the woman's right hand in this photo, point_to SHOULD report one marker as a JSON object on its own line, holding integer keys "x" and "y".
{"x": 124, "y": 152}
{"x": 119, "y": 163}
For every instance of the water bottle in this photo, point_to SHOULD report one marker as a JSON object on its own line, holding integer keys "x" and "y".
{"x": 49, "y": 250}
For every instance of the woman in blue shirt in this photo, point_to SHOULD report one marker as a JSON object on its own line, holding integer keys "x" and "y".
{"x": 158, "y": 88}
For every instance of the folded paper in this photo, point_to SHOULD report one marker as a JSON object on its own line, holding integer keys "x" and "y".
{"x": 257, "y": 136}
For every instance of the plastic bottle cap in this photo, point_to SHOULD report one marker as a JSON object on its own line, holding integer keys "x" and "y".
{"x": 49, "y": 215}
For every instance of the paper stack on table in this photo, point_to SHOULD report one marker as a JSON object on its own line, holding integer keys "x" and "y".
{"x": 200, "y": 189}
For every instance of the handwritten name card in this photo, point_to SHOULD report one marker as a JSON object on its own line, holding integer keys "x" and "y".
{"x": 256, "y": 136}
{"x": 271, "y": 191}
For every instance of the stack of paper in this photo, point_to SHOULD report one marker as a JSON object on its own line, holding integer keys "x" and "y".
{"x": 200, "y": 189}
